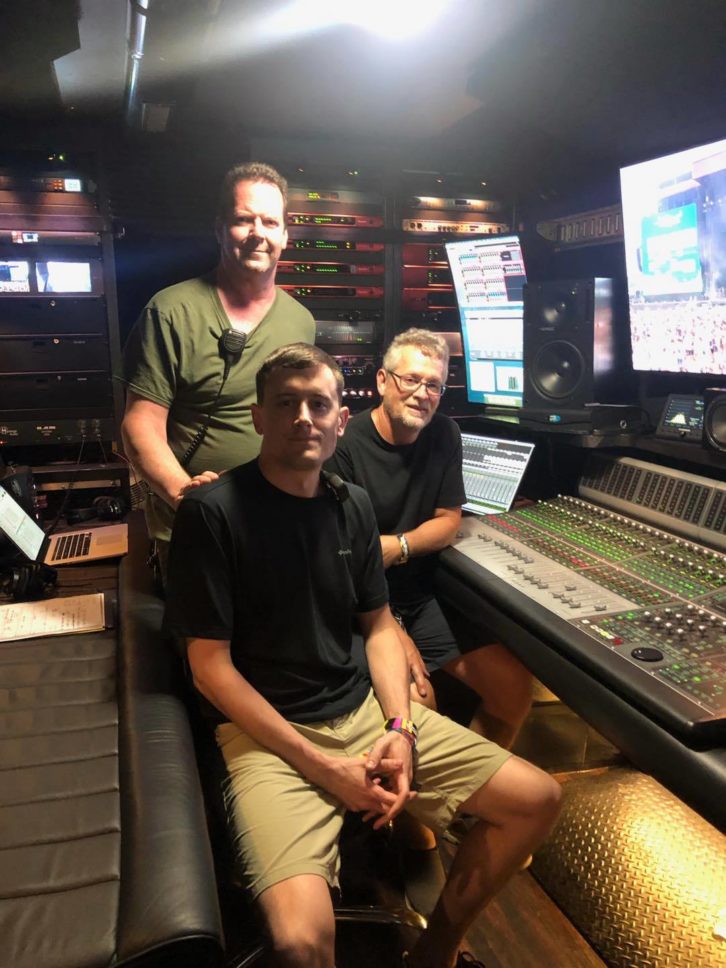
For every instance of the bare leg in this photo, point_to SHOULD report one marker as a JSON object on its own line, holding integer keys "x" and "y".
{"x": 423, "y": 872}
{"x": 516, "y": 811}
{"x": 505, "y": 688}
{"x": 300, "y": 920}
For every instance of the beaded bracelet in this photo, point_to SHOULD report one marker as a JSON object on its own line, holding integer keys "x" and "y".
{"x": 405, "y": 727}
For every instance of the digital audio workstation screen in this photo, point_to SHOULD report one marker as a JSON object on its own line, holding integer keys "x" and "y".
{"x": 489, "y": 279}
{"x": 493, "y": 470}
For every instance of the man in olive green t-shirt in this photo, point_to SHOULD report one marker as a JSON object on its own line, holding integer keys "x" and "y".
{"x": 173, "y": 365}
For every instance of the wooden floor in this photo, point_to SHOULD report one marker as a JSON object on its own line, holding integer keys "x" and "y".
{"x": 521, "y": 928}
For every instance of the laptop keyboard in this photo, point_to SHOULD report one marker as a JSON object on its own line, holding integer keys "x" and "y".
{"x": 74, "y": 545}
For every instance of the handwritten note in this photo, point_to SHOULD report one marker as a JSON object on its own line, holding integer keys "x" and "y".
{"x": 53, "y": 616}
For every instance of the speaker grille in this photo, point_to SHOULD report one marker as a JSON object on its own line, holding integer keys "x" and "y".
{"x": 558, "y": 369}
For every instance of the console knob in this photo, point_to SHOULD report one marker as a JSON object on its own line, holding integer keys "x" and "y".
{"x": 646, "y": 653}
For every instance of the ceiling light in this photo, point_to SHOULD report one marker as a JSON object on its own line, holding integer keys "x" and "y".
{"x": 393, "y": 21}
{"x": 399, "y": 20}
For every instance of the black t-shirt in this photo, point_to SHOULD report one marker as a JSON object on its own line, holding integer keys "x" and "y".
{"x": 281, "y": 577}
{"x": 405, "y": 483}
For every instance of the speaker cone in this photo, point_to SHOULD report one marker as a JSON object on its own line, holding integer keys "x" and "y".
{"x": 557, "y": 311}
{"x": 558, "y": 369}
{"x": 715, "y": 422}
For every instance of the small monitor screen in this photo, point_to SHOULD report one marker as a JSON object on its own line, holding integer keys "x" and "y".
{"x": 682, "y": 417}
{"x": 489, "y": 279}
{"x": 674, "y": 222}
{"x": 14, "y": 276}
{"x": 63, "y": 276}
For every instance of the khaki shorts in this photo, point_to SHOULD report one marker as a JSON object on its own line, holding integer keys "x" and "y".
{"x": 285, "y": 826}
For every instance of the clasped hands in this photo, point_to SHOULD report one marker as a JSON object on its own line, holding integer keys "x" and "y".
{"x": 378, "y": 784}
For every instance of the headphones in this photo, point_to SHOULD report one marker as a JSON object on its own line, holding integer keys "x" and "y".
{"x": 105, "y": 508}
{"x": 28, "y": 581}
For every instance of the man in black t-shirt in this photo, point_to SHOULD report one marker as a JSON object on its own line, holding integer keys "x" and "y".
{"x": 268, "y": 568}
{"x": 408, "y": 458}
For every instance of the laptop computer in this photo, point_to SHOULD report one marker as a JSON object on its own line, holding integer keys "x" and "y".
{"x": 493, "y": 470}
{"x": 64, "y": 547}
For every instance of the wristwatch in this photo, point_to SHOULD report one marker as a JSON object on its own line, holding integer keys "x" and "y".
{"x": 405, "y": 550}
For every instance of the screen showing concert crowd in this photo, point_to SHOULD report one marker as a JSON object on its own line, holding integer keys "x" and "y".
{"x": 674, "y": 219}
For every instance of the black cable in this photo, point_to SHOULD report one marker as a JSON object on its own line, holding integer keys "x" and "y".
{"x": 231, "y": 345}
{"x": 68, "y": 490}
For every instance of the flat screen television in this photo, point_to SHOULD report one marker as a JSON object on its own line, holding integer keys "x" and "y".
{"x": 489, "y": 279}
{"x": 674, "y": 222}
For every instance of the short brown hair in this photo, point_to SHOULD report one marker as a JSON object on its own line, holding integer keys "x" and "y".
{"x": 297, "y": 356}
{"x": 254, "y": 171}
{"x": 430, "y": 344}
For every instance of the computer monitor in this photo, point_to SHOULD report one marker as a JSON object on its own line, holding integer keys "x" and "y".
{"x": 489, "y": 278}
{"x": 674, "y": 222}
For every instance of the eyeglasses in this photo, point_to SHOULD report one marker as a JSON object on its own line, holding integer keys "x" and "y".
{"x": 409, "y": 384}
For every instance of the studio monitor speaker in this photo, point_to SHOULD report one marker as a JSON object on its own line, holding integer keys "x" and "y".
{"x": 569, "y": 357}
{"x": 714, "y": 418}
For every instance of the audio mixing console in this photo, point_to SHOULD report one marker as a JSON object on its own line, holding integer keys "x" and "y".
{"x": 646, "y": 608}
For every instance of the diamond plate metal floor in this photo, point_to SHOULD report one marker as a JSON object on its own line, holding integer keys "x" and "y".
{"x": 641, "y": 875}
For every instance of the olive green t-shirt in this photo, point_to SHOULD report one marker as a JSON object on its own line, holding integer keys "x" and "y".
{"x": 172, "y": 357}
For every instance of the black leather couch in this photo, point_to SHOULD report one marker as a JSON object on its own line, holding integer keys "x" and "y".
{"x": 104, "y": 852}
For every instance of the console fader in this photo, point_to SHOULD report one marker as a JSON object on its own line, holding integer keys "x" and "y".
{"x": 655, "y": 601}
